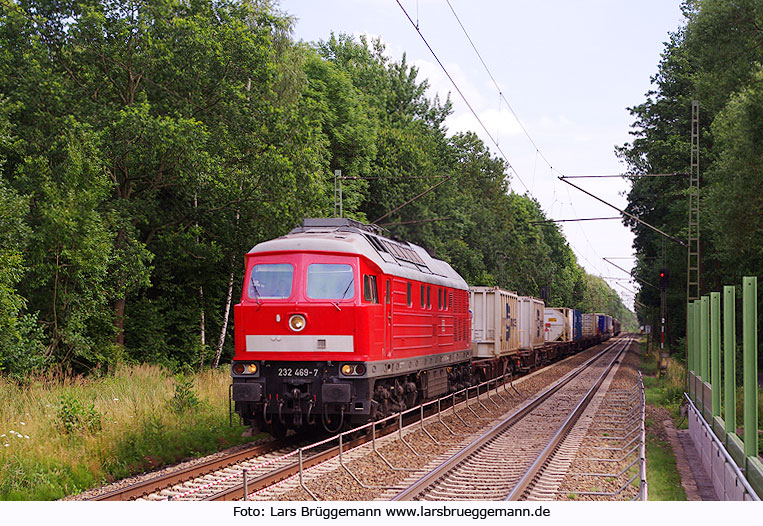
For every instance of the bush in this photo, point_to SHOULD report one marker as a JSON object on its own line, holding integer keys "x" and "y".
{"x": 185, "y": 397}
{"x": 74, "y": 417}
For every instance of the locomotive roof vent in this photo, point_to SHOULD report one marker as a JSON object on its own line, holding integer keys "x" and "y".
{"x": 336, "y": 223}
{"x": 390, "y": 250}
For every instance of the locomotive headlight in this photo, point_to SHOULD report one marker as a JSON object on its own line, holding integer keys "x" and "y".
{"x": 350, "y": 369}
{"x": 245, "y": 368}
{"x": 297, "y": 322}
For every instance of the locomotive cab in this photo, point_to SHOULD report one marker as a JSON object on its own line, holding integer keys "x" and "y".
{"x": 298, "y": 340}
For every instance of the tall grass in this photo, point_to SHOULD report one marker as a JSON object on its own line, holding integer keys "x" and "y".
{"x": 664, "y": 390}
{"x": 59, "y": 436}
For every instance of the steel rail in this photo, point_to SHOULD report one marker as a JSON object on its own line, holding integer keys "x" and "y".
{"x": 268, "y": 479}
{"x": 238, "y": 492}
{"x": 437, "y": 473}
{"x": 152, "y": 485}
{"x": 265, "y": 480}
{"x": 570, "y": 421}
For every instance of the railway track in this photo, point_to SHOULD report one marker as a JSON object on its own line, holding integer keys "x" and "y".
{"x": 504, "y": 461}
{"x": 155, "y": 484}
{"x": 221, "y": 479}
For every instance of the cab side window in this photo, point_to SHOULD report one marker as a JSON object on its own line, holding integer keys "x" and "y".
{"x": 369, "y": 289}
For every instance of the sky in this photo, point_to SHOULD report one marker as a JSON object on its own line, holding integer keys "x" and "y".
{"x": 568, "y": 70}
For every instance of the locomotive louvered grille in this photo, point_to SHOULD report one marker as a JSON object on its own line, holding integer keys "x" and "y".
{"x": 397, "y": 251}
{"x": 404, "y": 253}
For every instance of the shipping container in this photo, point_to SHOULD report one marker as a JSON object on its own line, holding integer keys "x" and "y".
{"x": 590, "y": 327}
{"x": 530, "y": 322}
{"x": 576, "y": 324}
{"x": 495, "y": 329}
{"x": 601, "y": 324}
{"x": 558, "y": 326}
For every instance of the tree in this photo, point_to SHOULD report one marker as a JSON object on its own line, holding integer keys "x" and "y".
{"x": 715, "y": 59}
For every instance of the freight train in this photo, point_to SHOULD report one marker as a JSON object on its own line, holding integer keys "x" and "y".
{"x": 339, "y": 324}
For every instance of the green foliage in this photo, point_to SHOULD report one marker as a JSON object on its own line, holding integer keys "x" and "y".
{"x": 138, "y": 432}
{"x": 149, "y": 146}
{"x": 21, "y": 337}
{"x": 75, "y": 417}
{"x": 185, "y": 397}
{"x": 714, "y": 58}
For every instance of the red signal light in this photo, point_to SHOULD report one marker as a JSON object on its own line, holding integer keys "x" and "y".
{"x": 663, "y": 278}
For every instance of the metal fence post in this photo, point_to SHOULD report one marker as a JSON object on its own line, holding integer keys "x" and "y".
{"x": 704, "y": 350}
{"x": 697, "y": 350}
{"x": 715, "y": 352}
{"x": 690, "y": 340}
{"x": 246, "y": 485}
{"x": 704, "y": 341}
{"x": 701, "y": 363}
{"x": 750, "y": 372}
{"x": 729, "y": 359}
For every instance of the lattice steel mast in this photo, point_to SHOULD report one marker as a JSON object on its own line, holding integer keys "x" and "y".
{"x": 692, "y": 266}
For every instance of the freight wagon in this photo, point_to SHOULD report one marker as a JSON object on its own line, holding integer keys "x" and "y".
{"x": 564, "y": 331}
{"x": 531, "y": 344}
{"x": 495, "y": 330}
{"x": 590, "y": 326}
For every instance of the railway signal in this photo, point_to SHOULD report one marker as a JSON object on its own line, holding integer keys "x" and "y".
{"x": 664, "y": 277}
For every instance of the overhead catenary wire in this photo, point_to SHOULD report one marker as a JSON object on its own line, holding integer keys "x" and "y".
{"x": 409, "y": 201}
{"x": 466, "y": 101}
{"x": 623, "y": 176}
{"x": 495, "y": 83}
{"x": 631, "y": 274}
{"x": 573, "y": 220}
{"x": 538, "y": 152}
{"x": 416, "y": 221}
{"x": 672, "y": 238}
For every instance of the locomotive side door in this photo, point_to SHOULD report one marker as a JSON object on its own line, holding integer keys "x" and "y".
{"x": 388, "y": 310}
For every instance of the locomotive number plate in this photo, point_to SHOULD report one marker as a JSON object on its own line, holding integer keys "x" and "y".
{"x": 300, "y": 372}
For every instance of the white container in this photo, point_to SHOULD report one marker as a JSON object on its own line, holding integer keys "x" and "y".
{"x": 530, "y": 322}
{"x": 557, "y": 324}
{"x": 495, "y": 329}
{"x": 590, "y": 327}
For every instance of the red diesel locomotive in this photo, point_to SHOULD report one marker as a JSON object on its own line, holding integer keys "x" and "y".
{"x": 338, "y": 325}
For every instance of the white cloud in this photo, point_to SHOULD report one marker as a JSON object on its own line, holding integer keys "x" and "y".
{"x": 391, "y": 51}
{"x": 498, "y": 123}
{"x": 441, "y": 85}
{"x": 548, "y": 122}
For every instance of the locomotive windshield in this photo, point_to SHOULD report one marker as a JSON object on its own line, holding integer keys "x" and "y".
{"x": 329, "y": 281}
{"x": 271, "y": 281}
